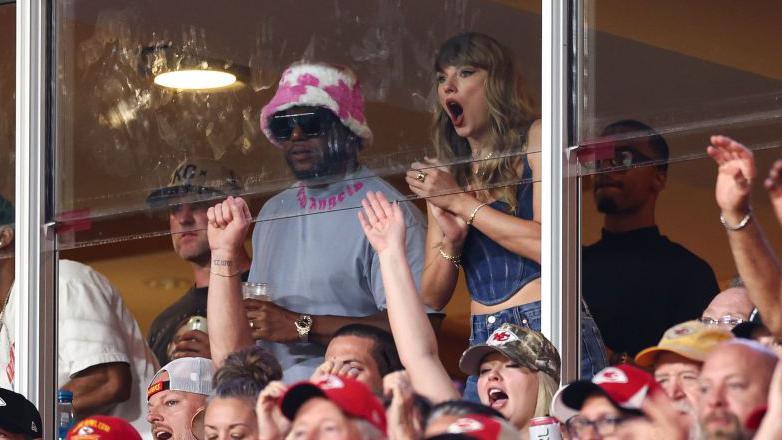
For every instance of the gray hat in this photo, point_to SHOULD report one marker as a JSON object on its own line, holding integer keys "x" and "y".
{"x": 522, "y": 344}
{"x": 188, "y": 374}
{"x": 195, "y": 180}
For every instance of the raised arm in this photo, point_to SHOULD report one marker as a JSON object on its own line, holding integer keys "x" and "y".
{"x": 384, "y": 226}
{"x": 229, "y": 329}
{"x": 755, "y": 260}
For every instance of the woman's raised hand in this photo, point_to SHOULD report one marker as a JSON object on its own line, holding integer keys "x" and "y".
{"x": 228, "y": 224}
{"x": 383, "y": 222}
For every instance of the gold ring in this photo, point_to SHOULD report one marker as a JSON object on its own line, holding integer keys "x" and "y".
{"x": 421, "y": 176}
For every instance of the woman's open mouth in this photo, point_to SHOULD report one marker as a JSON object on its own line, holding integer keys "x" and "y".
{"x": 497, "y": 398}
{"x": 456, "y": 112}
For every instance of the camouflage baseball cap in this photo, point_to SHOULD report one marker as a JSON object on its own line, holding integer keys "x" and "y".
{"x": 195, "y": 180}
{"x": 521, "y": 344}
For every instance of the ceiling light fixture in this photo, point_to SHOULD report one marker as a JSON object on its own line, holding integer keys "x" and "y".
{"x": 183, "y": 70}
{"x": 195, "y": 79}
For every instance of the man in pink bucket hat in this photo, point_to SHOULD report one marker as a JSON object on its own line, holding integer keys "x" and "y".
{"x": 308, "y": 245}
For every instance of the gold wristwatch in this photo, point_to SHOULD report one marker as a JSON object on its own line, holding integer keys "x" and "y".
{"x": 303, "y": 325}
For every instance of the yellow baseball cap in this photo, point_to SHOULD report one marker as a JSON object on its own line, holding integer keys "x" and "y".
{"x": 692, "y": 339}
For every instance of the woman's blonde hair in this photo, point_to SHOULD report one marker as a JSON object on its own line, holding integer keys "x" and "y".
{"x": 510, "y": 116}
{"x": 547, "y": 387}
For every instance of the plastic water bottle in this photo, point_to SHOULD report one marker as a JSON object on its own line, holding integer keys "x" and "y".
{"x": 65, "y": 416}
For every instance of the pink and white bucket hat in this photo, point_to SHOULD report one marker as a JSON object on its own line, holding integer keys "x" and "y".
{"x": 320, "y": 85}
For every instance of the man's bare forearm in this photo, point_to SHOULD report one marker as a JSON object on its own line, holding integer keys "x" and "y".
{"x": 99, "y": 387}
{"x": 761, "y": 271}
{"x": 228, "y": 327}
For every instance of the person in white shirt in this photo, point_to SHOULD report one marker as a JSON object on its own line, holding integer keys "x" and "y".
{"x": 103, "y": 357}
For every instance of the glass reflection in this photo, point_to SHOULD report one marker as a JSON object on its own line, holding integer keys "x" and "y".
{"x": 687, "y": 83}
{"x": 632, "y": 260}
{"x": 127, "y": 135}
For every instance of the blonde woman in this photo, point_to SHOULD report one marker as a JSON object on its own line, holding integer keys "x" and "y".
{"x": 518, "y": 369}
{"x": 484, "y": 207}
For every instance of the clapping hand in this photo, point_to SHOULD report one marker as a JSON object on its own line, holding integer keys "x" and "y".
{"x": 434, "y": 182}
{"x": 453, "y": 227}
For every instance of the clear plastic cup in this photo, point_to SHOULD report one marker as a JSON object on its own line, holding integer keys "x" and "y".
{"x": 259, "y": 291}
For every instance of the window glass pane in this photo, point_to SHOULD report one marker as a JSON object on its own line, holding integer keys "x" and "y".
{"x": 686, "y": 82}
{"x": 120, "y": 136}
{"x": 7, "y": 123}
{"x": 132, "y": 155}
{"x": 654, "y": 83}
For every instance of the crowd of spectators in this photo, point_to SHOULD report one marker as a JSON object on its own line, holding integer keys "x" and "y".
{"x": 343, "y": 344}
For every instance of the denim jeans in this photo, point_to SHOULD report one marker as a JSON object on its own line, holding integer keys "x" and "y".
{"x": 593, "y": 357}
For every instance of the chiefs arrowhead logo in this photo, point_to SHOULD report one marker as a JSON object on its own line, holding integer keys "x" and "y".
{"x": 464, "y": 425}
{"x": 331, "y": 383}
{"x": 501, "y": 336}
{"x": 678, "y": 332}
{"x": 610, "y": 375}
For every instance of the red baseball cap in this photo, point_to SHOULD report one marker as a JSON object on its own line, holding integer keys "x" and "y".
{"x": 352, "y": 396}
{"x": 103, "y": 428}
{"x": 624, "y": 385}
{"x": 478, "y": 427}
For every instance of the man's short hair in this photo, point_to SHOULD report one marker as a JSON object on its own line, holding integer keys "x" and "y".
{"x": 383, "y": 350}
{"x": 642, "y": 131}
{"x": 245, "y": 373}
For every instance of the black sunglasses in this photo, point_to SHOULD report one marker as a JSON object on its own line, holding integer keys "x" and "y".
{"x": 312, "y": 124}
{"x": 624, "y": 157}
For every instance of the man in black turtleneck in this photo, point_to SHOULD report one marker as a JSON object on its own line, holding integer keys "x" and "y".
{"x": 636, "y": 281}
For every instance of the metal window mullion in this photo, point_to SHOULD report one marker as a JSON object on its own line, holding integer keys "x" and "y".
{"x": 559, "y": 246}
{"x": 35, "y": 348}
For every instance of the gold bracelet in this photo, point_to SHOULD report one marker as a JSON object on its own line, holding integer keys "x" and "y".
{"x": 455, "y": 259}
{"x": 475, "y": 211}
{"x": 226, "y": 276}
